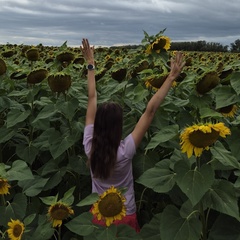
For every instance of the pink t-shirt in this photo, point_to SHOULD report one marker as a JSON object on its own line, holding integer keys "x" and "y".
{"x": 122, "y": 175}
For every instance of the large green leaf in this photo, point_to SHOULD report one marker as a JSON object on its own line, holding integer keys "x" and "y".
{"x": 222, "y": 231}
{"x": 27, "y": 152}
{"x": 20, "y": 171}
{"x": 82, "y": 224}
{"x": 224, "y": 156}
{"x": 47, "y": 112}
{"x": 164, "y": 135}
{"x": 193, "y": 182}
{"x": 19, "y": 205}
{"x": 58, "y": 144}
{"x": 159, "y": 178}
{"x": 68, "y": 108}
{"x": 6, "y": 134}
{"x": 89, "y": 200}
{"x": 173, "y": 226}
{"x": 222, "y": 198}
{"x": 235, "y": 82}
{"x": 225, "y": 96}
{"x": 34, "y": 187}
{"x": 151, "y": 230}
{"x": 16, "y": 116}
{"x": 233, "y": 141}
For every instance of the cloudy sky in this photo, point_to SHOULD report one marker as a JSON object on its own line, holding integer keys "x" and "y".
{"x": 117, "y": 22}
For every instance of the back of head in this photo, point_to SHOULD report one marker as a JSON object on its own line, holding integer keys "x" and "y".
{"x": 106, "y": 139}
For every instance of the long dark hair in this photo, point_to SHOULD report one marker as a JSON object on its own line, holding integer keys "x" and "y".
{"x": 106, "y": 139}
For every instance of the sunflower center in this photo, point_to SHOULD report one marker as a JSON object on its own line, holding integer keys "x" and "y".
{"x": 59, "y": 212}
{"x": 111, "y": 205}
{"x": 159, "y": 44}
{"x": 201, "y": 140}
{"x": 226, "y": 109}
{"x": 17, "y": 230}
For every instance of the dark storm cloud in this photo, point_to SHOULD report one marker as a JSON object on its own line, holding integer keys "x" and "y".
{"x": 117, "y": 22}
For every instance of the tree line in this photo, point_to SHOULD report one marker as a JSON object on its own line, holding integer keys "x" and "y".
{"x": 204, "y": 46}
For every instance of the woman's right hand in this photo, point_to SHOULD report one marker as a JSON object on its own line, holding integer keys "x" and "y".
{"x": 87, "y": 51}
{"x": 177, "y": 64}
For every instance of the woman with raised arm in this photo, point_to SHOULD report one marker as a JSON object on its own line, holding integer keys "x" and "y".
{"x": 110, "y": 156}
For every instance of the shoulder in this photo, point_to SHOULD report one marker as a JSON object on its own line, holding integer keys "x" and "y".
{"x": 127, "y": 146}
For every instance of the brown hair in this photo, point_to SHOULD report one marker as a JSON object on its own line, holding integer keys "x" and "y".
{"x": 106, "y": 139}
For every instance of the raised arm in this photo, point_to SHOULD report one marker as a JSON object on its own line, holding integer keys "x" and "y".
{"x": 145, "y": 120}
{"x": 88, "y": 54}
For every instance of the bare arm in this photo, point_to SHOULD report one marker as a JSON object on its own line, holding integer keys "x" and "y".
{"x": 145, "y": 120}
{"x": 88, "y": 53}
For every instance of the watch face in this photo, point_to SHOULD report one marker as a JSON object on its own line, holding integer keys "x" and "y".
{"x": 90, "y": 67}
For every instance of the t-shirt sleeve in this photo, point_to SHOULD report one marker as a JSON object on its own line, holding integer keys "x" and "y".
{"x": 129, "y": 147}
{"x": 87, "y": 139}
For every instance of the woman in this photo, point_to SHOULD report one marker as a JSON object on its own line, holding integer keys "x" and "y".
{"x": 110, "y": 158}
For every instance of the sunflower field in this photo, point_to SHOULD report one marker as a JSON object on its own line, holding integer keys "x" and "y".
{"x": 186, "y": 170}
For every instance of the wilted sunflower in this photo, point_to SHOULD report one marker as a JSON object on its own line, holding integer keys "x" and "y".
{"x": 207, "y": 82}
{"x": 58, "y": 212}
{"x": 15, "y": 230}
{"x": 228, "y": 111}
{"x": 4, "y": 186}
{"x": 155, "y": 81}
{"x": 199, "y": 137}
{"x": 161, "y": 43}
{"x": 110, "y": 206}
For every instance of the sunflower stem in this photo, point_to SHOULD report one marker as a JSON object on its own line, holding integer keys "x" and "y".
{"x": 3, "y": 201}
{"x": 140, "y": 201}
{"x": 59, "y": 232}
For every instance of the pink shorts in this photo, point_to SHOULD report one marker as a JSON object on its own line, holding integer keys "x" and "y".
{"x": 130, "y": 220}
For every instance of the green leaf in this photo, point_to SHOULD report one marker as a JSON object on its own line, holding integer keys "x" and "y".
{"x": 235, "y": 82}
{"x": 164, "y": 135}
{"x": 16, "y": 116}
{"x": 19, "y": 205}
{"x": 89, "y": 200}
{"x": 194, "y": 182}
{"x": 222, "y": 231}
{"x": 225, "y": 96}
{"x": 224, "y": 156}
{"x": 222, "y": 198}
{"x": 49, "y": 200}
{"x": 59, "y": 144}
{"x": 19, "y": 171}
{"x": 47, "y": 112}
{"x": 33, "y": 187}
{"x": 208, "y": 112}
{"x": 173, "y": 226}
{"x": 159, "y": 178}
{"x": 233, "y": 141}
{"x": 125, "y": 232}
{"x": 68, "y": 108}
{"x": 6, "y": 134}
{"x": 27, "y": 152}
{"x": 68, "y": 197}
{"x": 82, "y": 224}
{"x": 151, "y": 230}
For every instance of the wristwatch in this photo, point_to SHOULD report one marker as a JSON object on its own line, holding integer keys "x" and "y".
{"x": 90, "y": 67}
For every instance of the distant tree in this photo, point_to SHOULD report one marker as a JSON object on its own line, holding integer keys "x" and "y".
{"x": 235, "y": 47}
{"x": 201, "y": 46}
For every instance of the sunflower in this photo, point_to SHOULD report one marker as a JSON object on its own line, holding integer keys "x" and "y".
{"x": 15, "y": 230}
{"x": 161, "y": 43}
{"x": 155, "y": 81}
{"x": 199, "y": 137}
{"x": 4, "y": 186}
{"x": 58, "y": 212}
{"x": 110, "y": 206}
{"x": 228, "y": 111}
